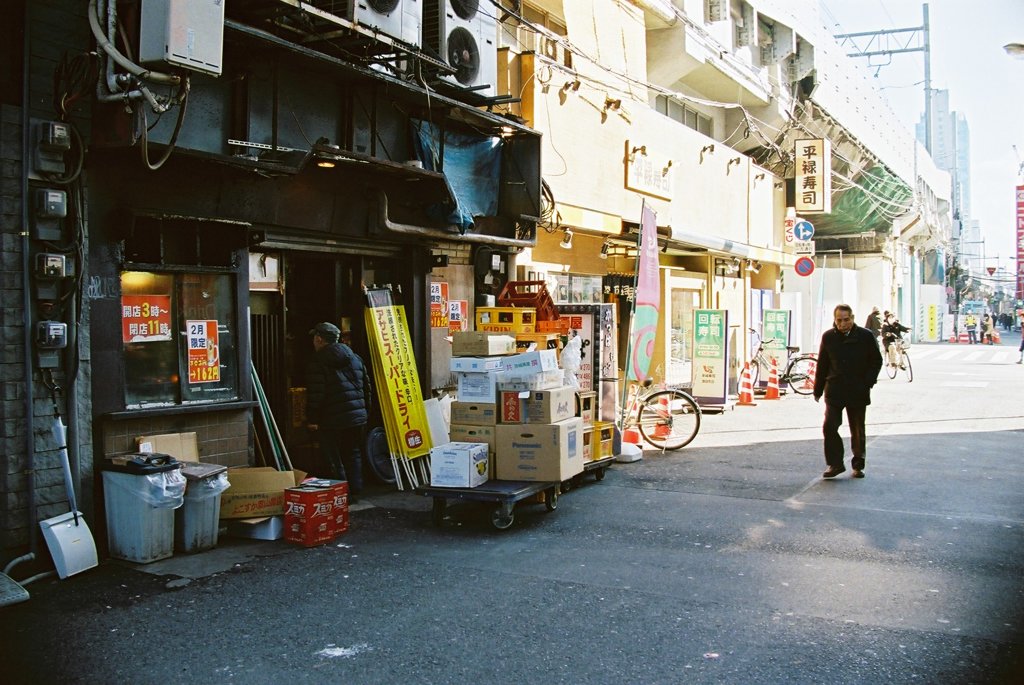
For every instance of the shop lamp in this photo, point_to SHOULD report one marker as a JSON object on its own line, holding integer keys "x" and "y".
{"x": 566, "y": 243}
{"x": 753, "y": 266}
{"x": 604, "y": 250}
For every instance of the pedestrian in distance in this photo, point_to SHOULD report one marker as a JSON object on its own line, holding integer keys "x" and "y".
{"x": 892, "y": 330}
{"x": 874, "y": 322}
{"x": 338, "y": 395}
{"x": 1020, "y": 316}
{"x": 988, "y": 329}
{"x": 848, "y": 366}
{"x": 971, "y": 324}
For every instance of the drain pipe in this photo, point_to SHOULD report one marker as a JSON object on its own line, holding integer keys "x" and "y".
{"x": 438, "y": 234}
{"x": 26, "y": 284}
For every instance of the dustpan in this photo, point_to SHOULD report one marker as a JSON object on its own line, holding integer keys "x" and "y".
{"x": 68, "y": 536}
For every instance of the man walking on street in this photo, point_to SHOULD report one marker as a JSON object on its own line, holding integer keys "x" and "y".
{"x": 337, "y": 404}
{"x": 848, "y": 366}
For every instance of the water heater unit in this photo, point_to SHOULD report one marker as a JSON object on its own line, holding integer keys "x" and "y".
{"x": 187, "y": 34}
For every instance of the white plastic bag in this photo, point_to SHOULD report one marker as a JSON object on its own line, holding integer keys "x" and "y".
{"x": 572, "y": 358}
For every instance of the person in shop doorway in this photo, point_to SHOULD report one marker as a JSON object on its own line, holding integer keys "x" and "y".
{"x": 337, "y": 404}
{"x": 874, "y": 323}
{"x": 971, "y": 324}
{"x": 848, "y": 364}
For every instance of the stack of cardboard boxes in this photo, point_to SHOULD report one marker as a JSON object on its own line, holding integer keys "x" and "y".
{"x": 516, "y": 404}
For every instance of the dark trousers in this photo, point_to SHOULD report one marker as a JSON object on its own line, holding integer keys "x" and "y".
{"x": 343, "y": 450}
{"x": 834, "y": 442}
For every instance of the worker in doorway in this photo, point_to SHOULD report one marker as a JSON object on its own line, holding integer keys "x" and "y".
{"x": 971, "y": 324}
{"x": 337, "y": 404}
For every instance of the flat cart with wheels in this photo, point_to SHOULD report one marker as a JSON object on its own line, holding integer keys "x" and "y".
{"x": 597, "y": 467}
{"x": 502, "y": 493}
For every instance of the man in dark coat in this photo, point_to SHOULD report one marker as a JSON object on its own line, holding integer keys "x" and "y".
{"x": 848, "y": 366}
{"x": 874, "y": 322}
{"x": 337, "y": 404}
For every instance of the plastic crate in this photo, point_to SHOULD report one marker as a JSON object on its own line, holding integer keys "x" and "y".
{"x": 533, "y": 294}
{"x": 604, "y": 436}
{"x": 507, "y": 319}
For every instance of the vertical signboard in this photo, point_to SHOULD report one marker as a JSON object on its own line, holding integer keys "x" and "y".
{"x": 1020, "y": 243}
{"x": 595, "y": 324}
{"x": 644, "y": 322}
{"x": 813, "y": 175}
{"x": 775, "y": 327}
{"x": 710, "y": 355}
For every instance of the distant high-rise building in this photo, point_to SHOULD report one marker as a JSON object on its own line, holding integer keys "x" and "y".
{"x": 951, "y": 149}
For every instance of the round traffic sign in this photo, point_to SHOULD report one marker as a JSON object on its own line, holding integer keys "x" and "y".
{"x": 803, "y": 230}
{"x": 804, "y": 266}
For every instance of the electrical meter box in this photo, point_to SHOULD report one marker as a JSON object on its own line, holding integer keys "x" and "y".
{"x": 51, "y": 335}
{"x": 183, "y": 33}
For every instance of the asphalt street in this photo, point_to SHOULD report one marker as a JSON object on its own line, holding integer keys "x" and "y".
{"x": 730, "y": 561}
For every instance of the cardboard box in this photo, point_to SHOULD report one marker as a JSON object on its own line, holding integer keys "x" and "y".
{"x": 477, "y": 364}
{"x": 529, "y": 363}
{"x": 481, "y": 344}
{"x": 545, "y": 380}
{"x": 257, "y": 491}
{"x": 506, "y": 319}
{"x": 512, "y": 406}
{"x": 476, "y": 387}
{"x": 260, "y": 528}
{"x": 181, "y": 446}
{"x": 459, "y": 465}
{"x": 586, "y": 403}
{"x": 539, "y": 452}
{"x": 313, "y": 511}
{"x": 470, "y": 433}
{"x": 475, "y": 413}
{"x": 551, "y": 406}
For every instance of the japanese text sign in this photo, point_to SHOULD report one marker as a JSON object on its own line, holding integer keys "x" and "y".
{"x": 145, "y": 318}
{"x": 813, "y": 175}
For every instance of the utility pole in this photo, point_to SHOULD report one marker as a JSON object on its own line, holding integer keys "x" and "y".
{"x": 879, "y": 44}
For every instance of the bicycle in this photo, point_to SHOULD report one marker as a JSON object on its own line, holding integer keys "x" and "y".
{"x": 667, "y": 418}
{"x": 897, "y": 359}
{"x": 799, "y": 369}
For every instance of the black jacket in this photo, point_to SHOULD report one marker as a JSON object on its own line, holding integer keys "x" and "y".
{"x": 848, "y": 367}
{"x": 337, "y": 388}
{"x": 874, "y": 323}
{"x": 891, "y": 331}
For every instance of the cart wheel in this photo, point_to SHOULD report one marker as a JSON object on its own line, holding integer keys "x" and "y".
{"x": 502, "y": 519}
{"x": 566, "y": 485}
{"x": 551, "y": 498}
{"x": 437, "y": 513}
{"x": 599, "y": 473}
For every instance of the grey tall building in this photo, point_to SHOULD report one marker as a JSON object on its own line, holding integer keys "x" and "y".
{"x": 950, "y": 148}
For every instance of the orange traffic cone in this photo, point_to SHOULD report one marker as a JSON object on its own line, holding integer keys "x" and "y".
{"x": 746, "y": 388}
{"x": 662, "y": 430}
{"x": 811, "y": 371}
{"x": 772, "y": 392}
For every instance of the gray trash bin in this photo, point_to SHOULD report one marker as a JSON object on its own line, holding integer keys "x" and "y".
{"x": 140, "y": 498}
{"x": 196, "y": 522}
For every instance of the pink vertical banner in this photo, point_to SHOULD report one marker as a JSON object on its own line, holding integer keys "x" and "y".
{"x": 643, "y": 326}
{"x": 1020, "y": 243}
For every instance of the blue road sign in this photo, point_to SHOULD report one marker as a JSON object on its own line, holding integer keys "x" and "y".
{"x": 803, "y": 230}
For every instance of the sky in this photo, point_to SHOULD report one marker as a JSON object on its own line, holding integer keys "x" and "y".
{"x": 985, "y": 85}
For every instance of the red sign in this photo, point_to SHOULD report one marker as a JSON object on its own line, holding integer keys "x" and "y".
{"x": 458, "y": 316}
{"x": 203, "y": 351}
{"x": 439, "y": 305}
{"x": 145, "y": 318}
{"x": 804, "y": 266}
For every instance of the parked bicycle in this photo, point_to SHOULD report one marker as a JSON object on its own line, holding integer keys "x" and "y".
{"x": 897, "y": 359}
{"x": 798, "y": 372}
{"x": 667, "y": 418}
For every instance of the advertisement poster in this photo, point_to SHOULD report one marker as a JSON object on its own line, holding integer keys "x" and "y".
{"x": 710, "y": 355}
{"x": 644, "y": 322}
{"x": 203, "y": 351}
{"x": 774, "y": 327}
{"x": 1020, "y": 243}
{"x": 595, "y": 325}
{"x": 145, "y": 318}
{"x": 458, "y": 316}
{"x": 439, "y": 305}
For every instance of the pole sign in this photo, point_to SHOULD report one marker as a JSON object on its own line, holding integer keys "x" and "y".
{"x": 775, "y": 327}
{"x": 1020, "y": 243}
{"x": 710, "y": 370}
{"x": 813, "y": 158}
{"x": 804, "y": 266}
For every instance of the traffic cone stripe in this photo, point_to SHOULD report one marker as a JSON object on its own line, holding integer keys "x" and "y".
{"x": 772, "y": 393}
{"x": 746, "y": 388}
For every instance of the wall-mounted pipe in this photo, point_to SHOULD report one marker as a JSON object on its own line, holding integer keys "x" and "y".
{"x": 26, "y": 284}
{"x": 438, "y": 234}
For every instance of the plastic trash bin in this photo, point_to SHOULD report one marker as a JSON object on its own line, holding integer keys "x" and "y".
{"x": 196, "y": 522}
{"x": 140, "y": 497}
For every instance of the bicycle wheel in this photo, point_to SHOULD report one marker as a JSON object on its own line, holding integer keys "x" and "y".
{"x": 378, "y": 456}
{"x": 800, "y": 378}
{"x": 890, "y": 367}
{"x": 907, "y": 368}
{"x": 669, "y": 419}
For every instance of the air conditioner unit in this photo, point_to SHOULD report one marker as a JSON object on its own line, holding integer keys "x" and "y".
{"x": 464, "y": 34}
{"x": 398, "y": 19}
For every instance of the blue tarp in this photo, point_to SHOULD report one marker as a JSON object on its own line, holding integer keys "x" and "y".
{"x": 472, "y": 169}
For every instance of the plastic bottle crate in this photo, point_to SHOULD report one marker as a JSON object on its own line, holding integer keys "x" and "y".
{"x": 507, "y": 319}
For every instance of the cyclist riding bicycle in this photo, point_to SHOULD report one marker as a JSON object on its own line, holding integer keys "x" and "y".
{"x": 892, "y": 330}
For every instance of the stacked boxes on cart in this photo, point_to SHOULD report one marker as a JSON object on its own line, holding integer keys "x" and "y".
{"x": 514, "y": 405}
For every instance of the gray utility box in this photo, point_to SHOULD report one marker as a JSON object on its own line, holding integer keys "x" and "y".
{"x": 182, "y": 33}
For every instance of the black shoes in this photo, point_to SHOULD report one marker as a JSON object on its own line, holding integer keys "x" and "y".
{"x": 857, "y": 473}
{"x": 833, "y": 471}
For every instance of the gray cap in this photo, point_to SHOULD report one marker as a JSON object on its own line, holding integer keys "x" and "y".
{"x": 328, "y": 331}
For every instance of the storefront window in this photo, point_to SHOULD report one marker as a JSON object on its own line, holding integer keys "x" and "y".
{"x": 180, "y": 337}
